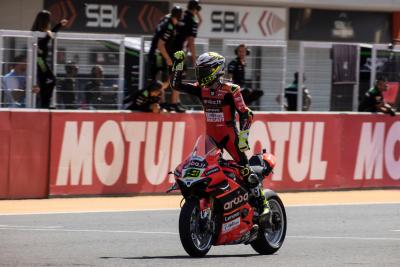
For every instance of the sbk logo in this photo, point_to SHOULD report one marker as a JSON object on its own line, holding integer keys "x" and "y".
{"x": 228, "y": 21}
{"x": 234, "y": 203}
{"x": 105, "y": 16}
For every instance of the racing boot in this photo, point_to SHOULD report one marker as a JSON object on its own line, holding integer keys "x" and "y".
{"x": 255, "y": 187}
{"x": 248, "y": 176}
{"x": 264, "y": 217}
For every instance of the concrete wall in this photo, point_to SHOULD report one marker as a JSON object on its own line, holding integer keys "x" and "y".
{"x": 18, "y": 14}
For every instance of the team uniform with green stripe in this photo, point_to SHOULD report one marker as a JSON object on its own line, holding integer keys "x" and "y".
{"x": 371, "y": 100}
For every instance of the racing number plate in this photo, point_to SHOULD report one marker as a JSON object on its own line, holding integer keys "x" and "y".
{"x": 192, "y": 173}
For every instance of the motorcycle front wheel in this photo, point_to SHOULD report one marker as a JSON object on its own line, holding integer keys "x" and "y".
{"x": 270, "y": 238}
{"x": 195, "y": 235}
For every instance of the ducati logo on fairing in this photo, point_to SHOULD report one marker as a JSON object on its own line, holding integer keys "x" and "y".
{"x": 236, "y": 201}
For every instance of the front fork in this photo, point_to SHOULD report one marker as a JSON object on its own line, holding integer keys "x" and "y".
{"x": 205, "y": 207}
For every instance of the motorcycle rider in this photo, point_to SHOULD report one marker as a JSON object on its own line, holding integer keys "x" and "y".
{"x": 221, "y": 100}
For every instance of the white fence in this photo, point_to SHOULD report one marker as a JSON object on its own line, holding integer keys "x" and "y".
{"x": 85, "y": 51}
{"x": 270, "y": 68}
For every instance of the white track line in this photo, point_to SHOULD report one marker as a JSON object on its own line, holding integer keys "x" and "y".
{"x": 85, "y": 230}
{"x": 175, "y": 209}
{"x": 26, "y": 226}
{"x": 84, "y": 211}
{"x": 342, "y": 204}
{"x": 345, "y": 237}
{"x": 16, "y": 228}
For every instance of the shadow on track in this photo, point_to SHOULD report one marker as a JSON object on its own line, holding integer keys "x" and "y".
{"x": 181, "y": 257}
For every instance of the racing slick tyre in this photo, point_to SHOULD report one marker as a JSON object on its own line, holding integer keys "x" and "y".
{"x": 272, "y": 234}
{"x": 195, "y": 235}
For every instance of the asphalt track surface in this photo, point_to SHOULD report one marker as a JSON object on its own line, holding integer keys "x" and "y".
{"x": 353, "y": 234}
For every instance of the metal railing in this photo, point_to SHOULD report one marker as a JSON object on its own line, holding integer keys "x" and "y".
{"x": 109, "y": 89}
{"x": 270, "y": 68}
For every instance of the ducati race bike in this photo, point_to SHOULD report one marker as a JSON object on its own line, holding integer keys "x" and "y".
{"x": 219, "y": 209}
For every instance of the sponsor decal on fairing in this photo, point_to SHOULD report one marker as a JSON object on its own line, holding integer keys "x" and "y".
{"x": 211, "y": 171}
{"x": 232, "y": 216}
{"x": 226, "y": 227}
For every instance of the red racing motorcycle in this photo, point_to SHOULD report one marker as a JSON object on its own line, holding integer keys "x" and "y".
{"x": 220, "y": 210}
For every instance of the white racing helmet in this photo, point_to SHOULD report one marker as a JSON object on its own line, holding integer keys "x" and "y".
{"x": 209, "y": 67}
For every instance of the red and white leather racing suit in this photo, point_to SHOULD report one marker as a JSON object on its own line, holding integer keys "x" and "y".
{"x": 220, "y": 101}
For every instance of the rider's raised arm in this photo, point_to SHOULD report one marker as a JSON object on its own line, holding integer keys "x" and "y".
{"x": 176, "y": 84}
{"x": 245, "y": 114}
{"x": 175, "y": 79}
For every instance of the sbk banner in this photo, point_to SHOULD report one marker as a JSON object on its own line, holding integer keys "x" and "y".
{"x": 104, "y": 16}
{"x": 243, "y": 22}
{"x": 121, "y": 153}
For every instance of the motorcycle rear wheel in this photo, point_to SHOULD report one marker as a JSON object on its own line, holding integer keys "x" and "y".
{"x": 196, "y": 241}
{"x": 270, "y": 239}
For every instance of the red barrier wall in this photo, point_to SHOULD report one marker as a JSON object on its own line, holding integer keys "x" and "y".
{"x": 97, "y": 153}
{"x": 100, "y": 153}
{"x": 4, "y": 152}
{"x": 24, "y": 154}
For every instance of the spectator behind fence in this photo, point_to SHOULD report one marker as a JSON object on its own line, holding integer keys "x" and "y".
{"x": 291, "y": 95}
{"x": 14, "y": 84}
{"x": 46, "y": 78}
{"x": 68, "y": 86}
{"x": 160, "y": 54}
{"x": 236, "y": 71}
{"x": 146, "y": 100}
{"x": 373, "y": 100}
{"x": 93, "y": 88}
{"x": 187, "y": 29}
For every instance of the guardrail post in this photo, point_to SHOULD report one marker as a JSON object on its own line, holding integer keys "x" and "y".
{"x": 300, "y": 78}
{"x": 373, "y": 65}
{"x": 29, "y": 72}
{"x": 1, "y": 67}
{"x": 141, "y": 64}
{"x": 121, "y": 74}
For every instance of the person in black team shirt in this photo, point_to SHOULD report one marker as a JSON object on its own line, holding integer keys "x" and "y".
{"x": 46, "y": 78}
{"x": 291, "y": 95}
{"x": 161, "y": 52}
{"x": 187, "y": 29}
{"x": 236, "y": 71}
{"x": 146, "y": 100}
{"x": 373, "y": 99}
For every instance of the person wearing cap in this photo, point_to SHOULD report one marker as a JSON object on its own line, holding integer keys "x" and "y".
{"x": 373, "y": 100}
{"x": 161, "y": 52}
{"x": 236, "y": 71}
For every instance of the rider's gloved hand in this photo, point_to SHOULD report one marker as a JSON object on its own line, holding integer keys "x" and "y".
{"x": 179, "y": 57}
{"x": 243, "y": 140}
